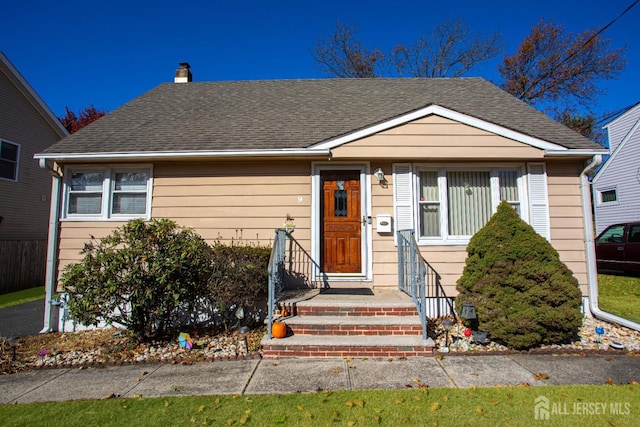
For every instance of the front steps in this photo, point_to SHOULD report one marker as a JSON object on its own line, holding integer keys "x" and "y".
{"x": 381, "y": 324}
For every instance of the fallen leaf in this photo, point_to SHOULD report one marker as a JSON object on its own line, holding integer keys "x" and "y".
{"x": 416, "y": 380}
{"x": 417, "y": 398}
{"x": 110, "y": 396}
{"x": 376, "y": 418}
{"x": 230, "y": 421}
{"x": 540, "y": 376}
{"x": 359, "y": 403}
{"x": 435, "y": 406}
{"x": 445, "y": 398}
{"x": 399, "y": 399}
{"x": 336, "y": 371}
{"x": 308, "y": 416}
{"x": 609, "y": 381}
{"x": 493, "y": 402}
{"x": 299, "y": 407}
{"x": 243, "y": 420}
{"x": 349, "y": 359}
{"x": 351, "y": 423}
{"x": 479, "y": 410}
{"x": 166, "y": 404}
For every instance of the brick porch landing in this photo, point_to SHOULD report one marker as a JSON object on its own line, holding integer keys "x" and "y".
{"x": 350, "y": 322}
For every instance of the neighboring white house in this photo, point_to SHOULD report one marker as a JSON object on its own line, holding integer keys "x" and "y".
{"x": 616, "y": 187}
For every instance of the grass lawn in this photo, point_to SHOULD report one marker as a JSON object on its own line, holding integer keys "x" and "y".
{"x": 611, "y": 405}
{"x": 620, "y": 295}
{"x": 20, "y": 297}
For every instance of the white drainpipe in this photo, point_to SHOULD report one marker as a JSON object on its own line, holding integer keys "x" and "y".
{"x": 592, "y": 271}
{"x": 52, "y": 249}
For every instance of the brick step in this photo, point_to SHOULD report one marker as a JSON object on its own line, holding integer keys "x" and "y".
{"x": 316, "y": 308}
{"x": 354, "y": 325}
{"x": 347, "y": 346}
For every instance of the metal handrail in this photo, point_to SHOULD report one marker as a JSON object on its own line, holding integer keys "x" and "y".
{"x": 276, "y": 274}
{"x": 418, "y": 279}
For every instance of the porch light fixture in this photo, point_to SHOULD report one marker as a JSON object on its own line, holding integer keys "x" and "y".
{"x": 468, "y": 311}
{"x": 379, "y": 174}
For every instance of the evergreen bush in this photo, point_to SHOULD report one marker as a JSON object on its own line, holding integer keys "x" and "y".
{"x": 144, "y": 276}
{"x": 523, "y": 294}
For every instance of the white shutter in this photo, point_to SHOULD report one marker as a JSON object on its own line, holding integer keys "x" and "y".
{"x": 403, "y": 196}
{"x": 539, "y": 200}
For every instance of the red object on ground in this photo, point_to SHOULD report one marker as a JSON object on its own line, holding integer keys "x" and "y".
{"x": 467, "y": 332}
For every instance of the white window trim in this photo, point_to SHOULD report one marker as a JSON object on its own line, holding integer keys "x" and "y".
{"x": 107, "y": 192}
{"x": 599, "y": 200}
{"x": 17, "y": 174}
{"x": 442, "y": 168}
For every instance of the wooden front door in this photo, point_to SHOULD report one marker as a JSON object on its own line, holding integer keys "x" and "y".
{"x": 341, "y": 221}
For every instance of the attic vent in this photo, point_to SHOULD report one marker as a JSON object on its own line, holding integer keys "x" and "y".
{"x": 183, "y": 74}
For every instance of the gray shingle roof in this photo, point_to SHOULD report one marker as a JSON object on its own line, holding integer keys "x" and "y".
{"x": 280, "y": 114}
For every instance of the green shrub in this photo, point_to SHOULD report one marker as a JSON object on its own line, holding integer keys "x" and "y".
{"x": 144, "y": 276}
{"x": 239, "y": 279}
{"x": 523, "y": 294}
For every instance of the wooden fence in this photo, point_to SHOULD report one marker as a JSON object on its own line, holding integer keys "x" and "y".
{"x": 22, "y": 264}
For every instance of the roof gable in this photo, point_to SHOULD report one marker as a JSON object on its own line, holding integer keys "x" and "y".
{"x": 446, "y": 113}
{"x": 631, "y": 135}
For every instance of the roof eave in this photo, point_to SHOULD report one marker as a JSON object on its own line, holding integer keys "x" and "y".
{"x": 183, "y": 155}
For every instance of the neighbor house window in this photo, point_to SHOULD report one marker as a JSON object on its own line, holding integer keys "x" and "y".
{"x": 108, "y": 193}
{"x": 9, "y": 155}
{"x": 608, "y": 196}
{"x": 454, "y": 204}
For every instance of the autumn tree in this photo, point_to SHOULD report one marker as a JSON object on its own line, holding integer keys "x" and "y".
{"x": 74, "y": 123}
{"x": 451, "y": 50}
{"x": 555, "y": 67}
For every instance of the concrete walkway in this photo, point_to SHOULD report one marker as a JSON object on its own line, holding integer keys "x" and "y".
{"x": 261, "y": 376}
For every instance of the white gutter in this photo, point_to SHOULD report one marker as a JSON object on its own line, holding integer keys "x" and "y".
{"x": 592, "y": 271}
{"x": 572, "y": 152}
{"x": 52, "y": 249}
{"x": 137, "y": 155}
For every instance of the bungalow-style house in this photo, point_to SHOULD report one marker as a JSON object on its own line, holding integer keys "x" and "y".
{"x": 27, "y": 126}
{"x": 347, "y": 162}
{"x": 616, "y": 186}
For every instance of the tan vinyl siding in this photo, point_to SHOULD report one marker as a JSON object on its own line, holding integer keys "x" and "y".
{"x": 436, "y": 138}
{"x": 24, "y": 204}
{"x": 567, "y": 233}
{"x": 222, "y": 201}
{"x": 565, "y": 212}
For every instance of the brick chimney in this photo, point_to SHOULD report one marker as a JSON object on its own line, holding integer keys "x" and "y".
{"x": 183, "y": 74}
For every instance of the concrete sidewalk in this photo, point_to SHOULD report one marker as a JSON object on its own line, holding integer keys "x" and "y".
{"x": 262, "y": 376}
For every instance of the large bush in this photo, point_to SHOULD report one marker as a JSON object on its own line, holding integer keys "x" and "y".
{"x": 144, "y": 276}
{"x": 523, "y": 294}
{"x": 239, "y": 280}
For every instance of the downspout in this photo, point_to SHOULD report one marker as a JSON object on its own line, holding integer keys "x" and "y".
{"x": 52, "y": 249}
{"x": 592, "y": 271}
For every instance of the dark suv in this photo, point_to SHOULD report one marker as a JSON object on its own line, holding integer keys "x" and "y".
{"x": 618, "y": 247}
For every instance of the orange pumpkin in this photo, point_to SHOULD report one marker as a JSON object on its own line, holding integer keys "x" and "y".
{"x": 278, "y": 330}
{"x": 284, "y": 312}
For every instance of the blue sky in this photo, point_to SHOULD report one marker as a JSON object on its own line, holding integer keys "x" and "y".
{"x": 107, "y": 53}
